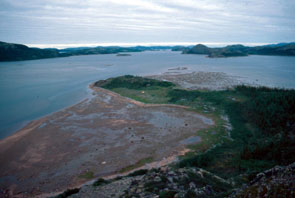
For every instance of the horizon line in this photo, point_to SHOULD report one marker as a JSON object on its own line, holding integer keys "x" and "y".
{"x": 211, "y": 44}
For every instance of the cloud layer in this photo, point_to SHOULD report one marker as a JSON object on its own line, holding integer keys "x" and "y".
{"x": 140, "y": 21}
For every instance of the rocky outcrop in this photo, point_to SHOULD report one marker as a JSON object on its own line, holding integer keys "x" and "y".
{"x": 167, "y": 182}
{"x": 178, "y": 183}
{"x": 276, "y": 182}
{"x": 164, "y": 183}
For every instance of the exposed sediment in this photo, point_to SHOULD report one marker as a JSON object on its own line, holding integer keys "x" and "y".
{"x": 97, "y": 137}
{"x": 201, "y": 80}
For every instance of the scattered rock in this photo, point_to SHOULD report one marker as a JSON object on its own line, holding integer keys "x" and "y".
{"x": 193, "y": 182}
{"x": 276, "y": 182}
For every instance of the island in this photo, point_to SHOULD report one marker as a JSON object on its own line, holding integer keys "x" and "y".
{"x": 123, "y": 54}
{"x": 18, "y": 52}
{"x": 281, "y": 49}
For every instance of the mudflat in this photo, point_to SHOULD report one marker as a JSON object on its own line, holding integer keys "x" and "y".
{"x": 98, "y": 137}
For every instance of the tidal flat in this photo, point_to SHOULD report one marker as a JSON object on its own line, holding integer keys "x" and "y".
{"x": 98, "y": 137}
{"x": 131, "y": 122}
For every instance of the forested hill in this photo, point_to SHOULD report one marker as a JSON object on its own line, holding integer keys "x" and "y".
{"x": 17, "y": 52}
{"x": 281, "y": 49}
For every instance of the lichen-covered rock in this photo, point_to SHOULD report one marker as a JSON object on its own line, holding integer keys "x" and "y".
{"x": 180, "y": 183}
{"x": 107, "y": 190}
{"x": 166, "y": 182}
{"x": 276, "y": 182}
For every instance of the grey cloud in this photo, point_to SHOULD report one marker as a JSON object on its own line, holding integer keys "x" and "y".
{"x": 100, "y": 21}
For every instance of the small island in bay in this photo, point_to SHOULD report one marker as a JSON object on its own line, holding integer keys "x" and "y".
{"x": 120, "y": 54}
{"x": 19, "y": 52}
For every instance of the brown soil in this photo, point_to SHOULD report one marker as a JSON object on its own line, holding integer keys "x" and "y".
{"x": 97, "y": 137}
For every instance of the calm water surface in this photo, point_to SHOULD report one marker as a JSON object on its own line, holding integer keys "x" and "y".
{"x": 32, "y": 89}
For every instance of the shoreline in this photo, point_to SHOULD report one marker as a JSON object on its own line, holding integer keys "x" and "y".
{"x": 156, "y": 164}
{"x": 33, "y": 133}
{"x": 27, "y": 122}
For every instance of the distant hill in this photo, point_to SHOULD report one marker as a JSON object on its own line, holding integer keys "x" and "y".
{"x": 282, "y": 49}
{"x": 198, "y": 49}
{"x": 181, "y": 48}
{"x": 112, "y": 49}
{"x": 99, "y": 50}
{"x": 17, "y": 52}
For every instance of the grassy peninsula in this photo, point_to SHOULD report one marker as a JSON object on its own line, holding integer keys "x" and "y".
{"x": 262, "y": 119}
{"x": 258, "y": 136}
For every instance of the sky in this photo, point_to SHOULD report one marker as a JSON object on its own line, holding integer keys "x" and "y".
{"x": 61, "y": 23}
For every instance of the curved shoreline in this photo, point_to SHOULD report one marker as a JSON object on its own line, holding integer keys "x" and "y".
{"x": 29, "y": 122}
{"x": 44, "y": 144}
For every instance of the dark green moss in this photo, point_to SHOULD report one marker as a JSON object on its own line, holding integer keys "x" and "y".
{"x": 68, "y": 193}
{"x": 138, "y": 172}
{"x": 132, "y": 82}
{"x": 100, "y": 182}
{"x": 167, "y": 194}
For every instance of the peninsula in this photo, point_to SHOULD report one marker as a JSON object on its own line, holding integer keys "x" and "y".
{"x": 225, "y": 137}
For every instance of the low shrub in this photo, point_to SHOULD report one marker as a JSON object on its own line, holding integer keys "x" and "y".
{"x": 138, "y": 172}
{"x": 100, "y": 182}
{"x": 68, "y": 193}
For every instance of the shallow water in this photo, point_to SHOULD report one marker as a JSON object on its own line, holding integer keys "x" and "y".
{"x": 32, "y": 89}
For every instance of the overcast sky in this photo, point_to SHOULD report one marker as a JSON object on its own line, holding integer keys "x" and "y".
{"x": 146, "y": 21}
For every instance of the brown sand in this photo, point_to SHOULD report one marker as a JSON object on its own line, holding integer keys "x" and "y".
{"x": 100, "y": 135}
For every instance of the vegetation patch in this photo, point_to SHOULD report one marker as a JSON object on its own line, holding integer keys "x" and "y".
{"x": 132, "y": 82}
{"x": 68, "y": 193}
{"x": 262, "y": 124}
{"x": 87, "y": 175}
{"x": 100, "y": 182}
{"x": 138, "y": 172}
{"x": 167, "y": 194}
{"x": 138, "y": 164}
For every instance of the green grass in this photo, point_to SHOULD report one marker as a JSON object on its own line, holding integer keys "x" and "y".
{"x": 262, "y": 119}
{"x": 138, "y": 164}
{"x": 132, "y": 82}
{"x": 87, "y": 175}
{"x": 154, "y": 95}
